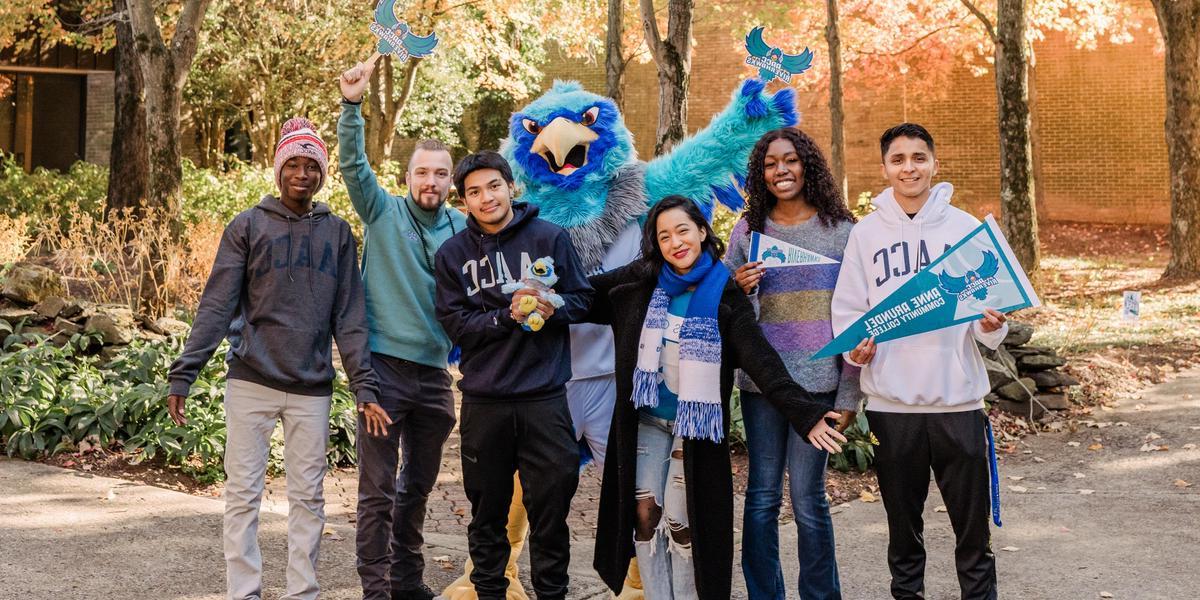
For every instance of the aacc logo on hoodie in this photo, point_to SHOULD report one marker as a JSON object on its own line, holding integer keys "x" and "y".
{"x": 897, "y": 260}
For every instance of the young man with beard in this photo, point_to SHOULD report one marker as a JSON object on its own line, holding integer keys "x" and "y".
{"x": 285, "y": 281}
{"x": 409, "y": 350}
{"x": 514, "y": 412}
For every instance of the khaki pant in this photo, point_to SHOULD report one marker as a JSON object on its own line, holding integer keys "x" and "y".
{"x": 251, "y": 411}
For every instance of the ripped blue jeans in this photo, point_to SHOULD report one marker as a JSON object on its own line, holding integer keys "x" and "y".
{"x": 662, "y": 537}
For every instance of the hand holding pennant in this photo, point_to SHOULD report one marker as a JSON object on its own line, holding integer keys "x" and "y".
{"x": 976, "y": 276}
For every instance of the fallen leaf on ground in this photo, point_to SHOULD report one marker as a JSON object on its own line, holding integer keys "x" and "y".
{"x": 1152, "y": 436}
{"x": 1096, "y": 446}
{"x": 1073, "y": 444}
{"x": 1188, "y": 446}
{"x": 1015, "y": 477}
{"x": 1039, "y": 459}
{"x": 1086, "y": 492}
{"x": 1179, "y": 483}
{"x": 866, "y": 496}
{"x": 1020, "y": 489}
{"x": 1080, "y": 476}
{"x": 1106, "y": 594}
{"x": 943, "y": 508}
{"x": 332, "y": 535}
{"x": 442, "y": 558}
{"x": 1010, "y": 548}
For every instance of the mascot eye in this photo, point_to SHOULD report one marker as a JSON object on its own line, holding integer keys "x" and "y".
{"x": 589, "y": 117}
{"x": 531, "y": 126}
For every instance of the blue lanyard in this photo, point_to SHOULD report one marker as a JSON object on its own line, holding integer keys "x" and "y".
{"x": 995, "y": 474}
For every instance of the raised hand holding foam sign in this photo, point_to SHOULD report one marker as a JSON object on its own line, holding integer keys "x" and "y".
{"x": 395, "y": 37}
{"x": 978, "y": 272}
{"x": 778, "y": 253}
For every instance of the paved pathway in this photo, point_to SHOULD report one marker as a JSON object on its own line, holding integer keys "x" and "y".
{"x": 1101, "y": 512}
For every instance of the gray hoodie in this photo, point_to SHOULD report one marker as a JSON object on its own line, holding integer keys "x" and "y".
{"x": 282, "y": 285}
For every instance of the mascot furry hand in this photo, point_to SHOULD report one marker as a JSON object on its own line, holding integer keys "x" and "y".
{"x": 541, "y": 277}
{"x": 574, "y": 157}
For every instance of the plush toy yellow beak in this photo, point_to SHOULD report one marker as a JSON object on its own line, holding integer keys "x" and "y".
{"x": 564, "y": 144}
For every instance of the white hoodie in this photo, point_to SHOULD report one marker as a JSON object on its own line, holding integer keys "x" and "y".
{"x": 938, "y": 371}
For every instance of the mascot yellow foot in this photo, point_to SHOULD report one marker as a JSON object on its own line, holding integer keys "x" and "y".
{"x": 633, "y": 584}
{"x": 518, "y": 527}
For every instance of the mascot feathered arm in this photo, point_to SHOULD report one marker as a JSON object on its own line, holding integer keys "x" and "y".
{"x": 704, "y": 166}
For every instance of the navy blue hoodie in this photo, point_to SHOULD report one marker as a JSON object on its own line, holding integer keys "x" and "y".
{"x": 500, "y": 360}
{"x": 282, "y": 287}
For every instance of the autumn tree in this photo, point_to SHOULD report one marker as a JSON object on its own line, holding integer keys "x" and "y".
{"x": 837, "y": 115}
{"x": 1018, "y": 210}
{"x": 673, "y": 57}
{"x": 885, "y": 41}
{"x": 498, "y": 44}
{"x": 164, "y": 65}
{"x": 128, "y": 170}
{"x": 1179, "y": 22}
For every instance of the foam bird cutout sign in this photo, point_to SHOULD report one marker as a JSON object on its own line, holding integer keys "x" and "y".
{"x": 396, "y": 38}
{"x": 978, "y": 272}
{"x": 772, "y": 62}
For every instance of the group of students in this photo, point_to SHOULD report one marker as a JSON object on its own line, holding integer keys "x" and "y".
{"x": 689, "y": 322}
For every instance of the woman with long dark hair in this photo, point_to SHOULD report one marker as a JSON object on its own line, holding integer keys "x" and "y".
{"x": 792, "y": 198}
{"x": 681, "y": 328}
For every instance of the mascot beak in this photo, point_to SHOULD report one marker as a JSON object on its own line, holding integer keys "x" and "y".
{"x": 564, "y": 144}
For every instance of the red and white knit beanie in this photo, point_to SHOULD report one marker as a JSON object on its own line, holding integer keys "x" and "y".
{"x": 298, "y": 137}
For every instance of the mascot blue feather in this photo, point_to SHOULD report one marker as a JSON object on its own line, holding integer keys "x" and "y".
{"x": 574, "y": 158}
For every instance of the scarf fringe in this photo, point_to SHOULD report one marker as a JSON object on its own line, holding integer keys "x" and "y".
{"x": 700, "y": 420}
{"x": 645, "y": 389}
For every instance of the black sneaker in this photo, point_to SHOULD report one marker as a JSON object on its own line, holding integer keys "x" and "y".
{"x": 421, "y": 592}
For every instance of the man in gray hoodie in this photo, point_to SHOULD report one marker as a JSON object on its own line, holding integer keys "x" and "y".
{"x": 285, "y": 281}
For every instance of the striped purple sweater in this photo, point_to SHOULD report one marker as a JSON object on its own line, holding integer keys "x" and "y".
{"x": 793, "y": 307}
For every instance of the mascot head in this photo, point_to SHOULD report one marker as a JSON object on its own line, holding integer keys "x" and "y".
{"x": 567, "y": 139}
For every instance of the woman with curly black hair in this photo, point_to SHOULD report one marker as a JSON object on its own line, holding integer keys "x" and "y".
{"x": 792, "y": 198}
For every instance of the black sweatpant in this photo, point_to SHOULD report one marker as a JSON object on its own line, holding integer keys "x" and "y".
{"x": 954, "y": 445}
{"x": 391, "y": 506}
{"x": 537, "y": 440}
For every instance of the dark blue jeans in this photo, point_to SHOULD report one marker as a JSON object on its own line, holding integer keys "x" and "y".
{"x": 773, "y": 445}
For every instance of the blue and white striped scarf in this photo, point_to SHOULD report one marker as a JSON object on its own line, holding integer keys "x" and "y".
{"x": 700, "y": 413}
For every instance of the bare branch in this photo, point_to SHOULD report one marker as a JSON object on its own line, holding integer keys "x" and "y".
{"x": 915, "y": 42}
{"x": 650, "y": 25}
{"x": 987, "y": 23}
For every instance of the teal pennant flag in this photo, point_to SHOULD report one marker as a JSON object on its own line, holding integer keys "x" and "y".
{"x": 978, "y": 272}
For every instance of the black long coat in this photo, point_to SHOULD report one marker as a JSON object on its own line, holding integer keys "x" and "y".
{"x": 621, "y": 300}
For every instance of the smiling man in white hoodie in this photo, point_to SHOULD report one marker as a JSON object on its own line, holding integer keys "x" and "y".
{"x": 924, "y": 392}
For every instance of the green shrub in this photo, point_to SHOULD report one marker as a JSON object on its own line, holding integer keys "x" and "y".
{"x": 858, "y": 453}
{"x": 219, "y": 194}
{"x": 52, "y": 398}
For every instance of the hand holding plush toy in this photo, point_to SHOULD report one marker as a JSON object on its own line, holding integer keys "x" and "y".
{"x": 540, "y": 277}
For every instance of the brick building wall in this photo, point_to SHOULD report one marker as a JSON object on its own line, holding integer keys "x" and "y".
{"x": 1100, "y": 152}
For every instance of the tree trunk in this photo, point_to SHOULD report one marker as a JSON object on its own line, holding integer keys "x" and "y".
{"x": 387, "y": 107}
{"x": 1179, "y": 22}
{"x": 837, "y": 116}
{"x": 1018, "y": 211}
{"x": 128, "y": 171}
{"x": 673, "y": 56}
{"x": 164, "y": 71}
{"x": 614, "y": 56}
